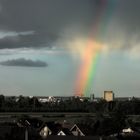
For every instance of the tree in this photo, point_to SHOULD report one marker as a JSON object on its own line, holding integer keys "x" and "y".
{"x": 2, "y": 99}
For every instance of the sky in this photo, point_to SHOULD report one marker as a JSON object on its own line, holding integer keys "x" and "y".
{"x": 42, "y": 42}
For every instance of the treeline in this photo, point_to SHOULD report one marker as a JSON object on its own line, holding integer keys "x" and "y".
{"x": 26, "y": 104}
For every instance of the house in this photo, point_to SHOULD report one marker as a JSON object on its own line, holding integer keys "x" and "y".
{"x": 49, "y": 128}
{"x": 29, "y": 122}
{"x": 76, "y": 131}
{"x": 61, "y": 133}
{"x": 64, "y": 132}
{"x": 45, "y": 131}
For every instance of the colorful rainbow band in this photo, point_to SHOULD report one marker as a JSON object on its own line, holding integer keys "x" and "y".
{"x": 84, "y": 82}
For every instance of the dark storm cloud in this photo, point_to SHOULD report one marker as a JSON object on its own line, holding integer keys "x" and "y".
{"x": 24, "y": 63}
{"x": 50, "y": 18}
{"x": 29, "y": 40}
{"x": 47, "y": 18}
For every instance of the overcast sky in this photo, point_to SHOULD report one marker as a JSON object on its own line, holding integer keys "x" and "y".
{"x": 37, "y": 36}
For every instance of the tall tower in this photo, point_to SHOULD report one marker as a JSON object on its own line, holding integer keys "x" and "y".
{"x": 108, "y": 96}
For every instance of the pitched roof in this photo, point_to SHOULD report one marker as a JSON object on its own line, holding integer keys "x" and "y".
{"x": 66, "y": 131}
{"x": 54, "y": 127}
{"x": 77, "y": 129}
{"x": 84, "y": 129}
{"x": 32, "y": 122}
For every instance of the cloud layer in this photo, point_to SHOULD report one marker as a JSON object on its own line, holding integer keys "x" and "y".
{"x": 23, "y": 63}
{"x": 45, "y": 23}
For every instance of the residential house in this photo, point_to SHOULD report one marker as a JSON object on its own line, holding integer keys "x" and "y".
{"x": 29, "y": 122}
{"x": 76, "y": 131}
{"x": 64, "y": 132}
{"x": 49, "y": 128}
{"x": 45, "y": 131}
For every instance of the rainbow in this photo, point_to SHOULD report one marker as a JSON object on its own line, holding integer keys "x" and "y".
{"x": 91, "y": 54}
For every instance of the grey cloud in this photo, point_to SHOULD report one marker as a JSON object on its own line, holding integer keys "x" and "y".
{"x": 12, "y": 39}
{"x": 47, "y": 18}
{"x": 51, "y": 18}
{"x": 28, "y": 40}
{"x": 4, "y": 34}
{"x": 24, "y": 63}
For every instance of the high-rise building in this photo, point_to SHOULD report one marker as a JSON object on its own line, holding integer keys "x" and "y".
{"x": 108, "y": 96}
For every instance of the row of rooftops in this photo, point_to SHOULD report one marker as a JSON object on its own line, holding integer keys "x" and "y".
{"x": 42, "y": 129}
{"x": 53, "y": 128}
{"x": 46, "y": 129}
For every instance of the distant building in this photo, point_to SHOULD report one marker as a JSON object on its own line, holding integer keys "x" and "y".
{"x": 108, "y": 96}
{"x": 91, "y": 97}
{"x": 127, "y": 130}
